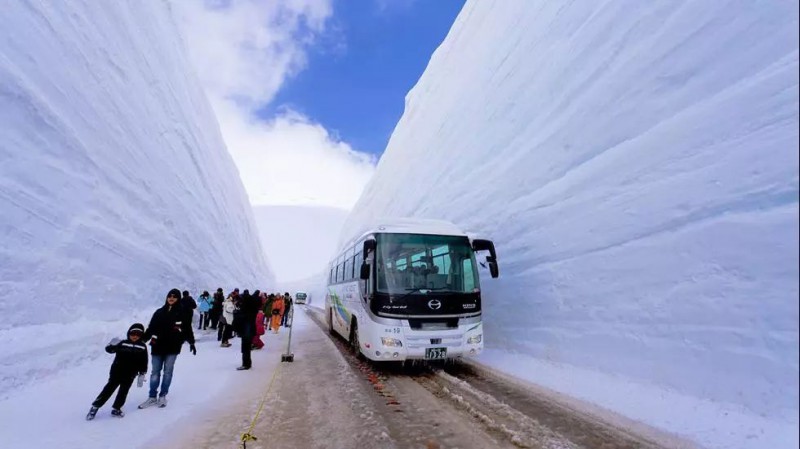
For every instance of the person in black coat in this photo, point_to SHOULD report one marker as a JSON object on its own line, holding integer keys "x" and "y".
{"x": 168, "y": 329}
{"x": 246, "y": 322}
{"x": 287, "y": 307}
{"x": 130, "y": 360}
{"x": 189, "y": 304}
{"x": 216, "y": 310}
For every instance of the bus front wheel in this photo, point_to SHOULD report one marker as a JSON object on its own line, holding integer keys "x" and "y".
{"x": 330, "y": 321}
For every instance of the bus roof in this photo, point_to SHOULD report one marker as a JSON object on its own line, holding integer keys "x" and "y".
{"x": 407, "y": 226}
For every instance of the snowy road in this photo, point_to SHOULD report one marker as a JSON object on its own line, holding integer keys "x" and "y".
{"x": 328, "y": 398}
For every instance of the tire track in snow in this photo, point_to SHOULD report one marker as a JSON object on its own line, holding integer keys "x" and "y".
{"x": 505, "y": 412}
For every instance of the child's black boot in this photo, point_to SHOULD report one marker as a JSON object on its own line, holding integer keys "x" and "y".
{"x": 92, "y": 412}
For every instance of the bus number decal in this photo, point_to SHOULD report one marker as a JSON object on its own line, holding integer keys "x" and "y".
{"x": 392, "y": 330}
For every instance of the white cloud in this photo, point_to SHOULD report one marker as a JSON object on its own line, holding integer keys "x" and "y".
{"x": 293, "y": 161}
{"x": 244, "y": 51}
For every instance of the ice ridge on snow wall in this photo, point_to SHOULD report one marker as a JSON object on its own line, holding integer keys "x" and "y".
{"x": 115, "y": 184}
{"x": 636, "y": 165}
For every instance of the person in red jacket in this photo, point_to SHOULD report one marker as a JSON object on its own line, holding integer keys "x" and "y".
{"x": 257, "y": 343}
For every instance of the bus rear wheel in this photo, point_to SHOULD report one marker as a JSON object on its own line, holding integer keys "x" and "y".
{"x": 330, "y": 322}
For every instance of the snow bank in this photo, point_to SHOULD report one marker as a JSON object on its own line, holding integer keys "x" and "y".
{"x": 636, "y": 165}
{"x": 115, "y": 184}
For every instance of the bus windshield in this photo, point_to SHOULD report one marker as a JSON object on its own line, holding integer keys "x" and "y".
{"x": 411, "y": 263}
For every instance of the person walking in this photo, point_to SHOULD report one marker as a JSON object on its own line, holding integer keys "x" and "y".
{"x": 203, "y": 307}
{"x": 268, "y": 310}
{"x": 237, "y": 302}
{"x": 167, "y": 331}
{"x": 257, "y": 342}
{"x": 248, "y": 310}
{"x": 130, "y": 360}
{"x": 277, "y": 313}
{"x": 287, "y": 307}
{"x": 216, "y": 310}
{"x": 225, "y": 331}
{"x": 188, "y": 303}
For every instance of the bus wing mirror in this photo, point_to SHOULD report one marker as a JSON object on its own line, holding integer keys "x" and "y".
{"x": 369, "y": 245}
{"x": 487, "y": 245}
{"x": 364, "y": 271}
{"x": 493, "y": 270}
{"x": 484, "y": 245}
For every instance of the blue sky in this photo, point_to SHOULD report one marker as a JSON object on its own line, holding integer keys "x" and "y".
{"x": 359, "y": 71}
{"x": 310, "y": 89}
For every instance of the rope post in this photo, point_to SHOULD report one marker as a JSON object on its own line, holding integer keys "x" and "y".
{"x": 288, "y": 356}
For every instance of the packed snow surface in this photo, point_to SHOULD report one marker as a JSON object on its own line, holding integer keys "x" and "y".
{"x": 115, "y": 184}
{"x": 636, "y": 165}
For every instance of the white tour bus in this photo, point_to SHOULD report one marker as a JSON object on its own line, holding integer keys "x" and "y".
{"x": 409, "y": 290}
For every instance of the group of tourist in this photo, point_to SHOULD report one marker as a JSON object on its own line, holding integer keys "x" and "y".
{"x": 244, "y": 315}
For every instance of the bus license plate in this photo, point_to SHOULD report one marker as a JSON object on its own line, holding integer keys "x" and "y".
{"x": 435, "y": 353}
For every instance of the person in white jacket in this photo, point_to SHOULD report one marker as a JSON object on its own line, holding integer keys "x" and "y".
{"x": 226, "y": 322}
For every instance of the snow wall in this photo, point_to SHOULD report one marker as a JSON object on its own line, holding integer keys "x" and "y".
{"x": 115, "y": 183}
{"x": 636, "y": 165}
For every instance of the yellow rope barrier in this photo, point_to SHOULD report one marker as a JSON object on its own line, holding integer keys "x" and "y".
{"x": 248, "y": 436}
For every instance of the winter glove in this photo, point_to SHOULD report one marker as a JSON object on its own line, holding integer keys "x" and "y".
{"x": 114, "y": 342}
{"x": 140, "y": 380}
{"x": 193, "y": 349}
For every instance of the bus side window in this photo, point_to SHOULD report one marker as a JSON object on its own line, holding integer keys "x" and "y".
{"x": 357, "y": 260}
{"x": 348, "y": 269}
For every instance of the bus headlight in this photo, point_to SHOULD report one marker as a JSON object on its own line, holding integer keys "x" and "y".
{"x": 392, "y": 342}
{"x": 475, "y": 339}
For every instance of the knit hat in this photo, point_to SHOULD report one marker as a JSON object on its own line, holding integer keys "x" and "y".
{"x": 175, "y": 292}
{"x": 136, "y": 327}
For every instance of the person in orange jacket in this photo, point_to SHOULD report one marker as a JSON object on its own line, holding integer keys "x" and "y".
{"x": 277, "y": 313}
